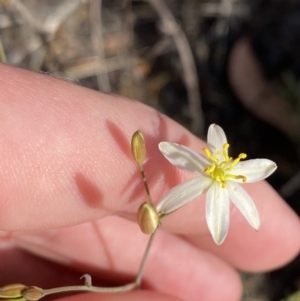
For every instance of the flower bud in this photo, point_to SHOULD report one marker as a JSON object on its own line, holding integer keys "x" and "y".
{"x": 148, "y": 218}
{"x": 138, "y": 148}
{"x": 33, "y": 293}
{"x": 12, "y": 291}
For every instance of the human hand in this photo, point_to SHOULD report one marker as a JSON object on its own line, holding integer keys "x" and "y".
{"x": 66, "y": 163}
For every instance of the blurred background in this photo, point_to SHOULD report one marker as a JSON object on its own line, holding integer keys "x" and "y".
{"x": 231, "y": 62}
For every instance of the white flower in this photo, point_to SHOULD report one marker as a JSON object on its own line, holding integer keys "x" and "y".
{"x": 218, "y": 175}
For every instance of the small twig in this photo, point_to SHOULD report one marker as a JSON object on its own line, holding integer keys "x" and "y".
{"x": 208, "y": 10}
{"x": 26, "y": 15}
{"x": 132, "y": 78}
{"x": 190, "y": 21}
{"x": 127, "y": 32}
{"x": 43, "y": 32}
{"x": 91, "y": 66}
{"x": 188, "y": 64}
{"x": 290, "y": 186}
{"x": 2, "y": 53}
{"x": 226, "y": 7}
{"x": 61, "y": 12}
{"x": 97, "y": 42}
{"x": 255, "y": 92}
{"x": 162, "y": 46}
{"x": 53, "y": 21}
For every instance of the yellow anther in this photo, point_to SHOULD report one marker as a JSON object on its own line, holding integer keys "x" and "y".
{"x": 244, "y": 179}
{"x": 242, "y": 156}
{"x": 223, "y": 184}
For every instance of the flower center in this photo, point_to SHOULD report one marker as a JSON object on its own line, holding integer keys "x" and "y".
{"x": 220, "y": 170}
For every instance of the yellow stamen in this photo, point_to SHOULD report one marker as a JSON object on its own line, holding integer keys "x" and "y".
{"x": 220, "y": 170}
{"x": 237, "y": 160}
{"x": 210, "y": 169}
{"x": 209, "y": 155}
{"x": 225, "y": 151}
{"x": 236, "y": 177}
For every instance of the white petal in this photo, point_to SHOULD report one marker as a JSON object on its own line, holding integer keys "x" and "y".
{"x": 244, "y": 203}
{"x": 184, "y": 158}
{"x": 216, "y": 138}
{"x": 254, "y": 170}
{"x": 217, "y": 211}
{"x": 183, "y": 193}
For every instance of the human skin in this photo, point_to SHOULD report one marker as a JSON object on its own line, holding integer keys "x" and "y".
{"x": 70, "y": 191}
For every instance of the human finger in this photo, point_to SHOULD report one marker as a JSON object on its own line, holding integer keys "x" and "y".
{"x": 66, "y": 159}
{"x": 114, "y": 247}
{"x": 129, "y": 296}
{"x": 65, "y": 152}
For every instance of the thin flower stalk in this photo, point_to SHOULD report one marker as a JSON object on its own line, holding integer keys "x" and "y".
{"x": 33, "y": 293}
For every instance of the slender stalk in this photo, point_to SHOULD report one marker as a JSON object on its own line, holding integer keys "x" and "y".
{"x": 146, "y": 185}
{"x": 117, "y": 289}
{"x": 35, "y": 293}
{"x": 138, "y": 279}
